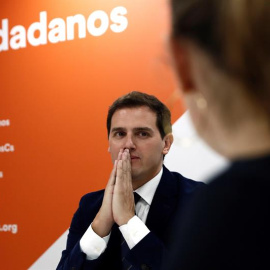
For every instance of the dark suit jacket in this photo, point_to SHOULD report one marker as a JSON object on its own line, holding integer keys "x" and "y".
{"x": 172, "y": 194}
{"x": 227, "y": 226}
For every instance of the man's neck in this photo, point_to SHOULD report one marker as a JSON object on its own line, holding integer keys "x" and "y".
{"x": 138, "y": 182}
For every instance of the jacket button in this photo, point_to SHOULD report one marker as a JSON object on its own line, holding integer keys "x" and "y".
{"x": 145, "y": 267}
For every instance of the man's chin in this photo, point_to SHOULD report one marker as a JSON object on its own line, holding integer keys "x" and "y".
{"x": 135, "y": 174}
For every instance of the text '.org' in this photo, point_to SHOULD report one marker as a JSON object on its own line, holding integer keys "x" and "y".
{"x": 13, "y": 228}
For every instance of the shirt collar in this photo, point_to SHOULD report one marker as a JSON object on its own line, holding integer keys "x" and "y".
{"x": 147, "y": 191}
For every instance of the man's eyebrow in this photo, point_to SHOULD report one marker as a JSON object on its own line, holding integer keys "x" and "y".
{"x": 136, "y": 129}
{"x": 117, "y": 129}
{"x": 143, "y": 129}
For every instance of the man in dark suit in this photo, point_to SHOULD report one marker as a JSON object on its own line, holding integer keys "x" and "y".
{"x": 109, "y": 231}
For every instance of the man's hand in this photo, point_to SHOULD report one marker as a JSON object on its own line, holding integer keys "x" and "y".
{"x": 118, "y": 202}
{"x": 104, "y": 221}
{"x": 123, "y": 207}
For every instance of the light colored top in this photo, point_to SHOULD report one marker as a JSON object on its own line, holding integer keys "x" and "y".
{"x": 134, "y": 231}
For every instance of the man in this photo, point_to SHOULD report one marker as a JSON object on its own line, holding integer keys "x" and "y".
{"x": 105, "y": 232}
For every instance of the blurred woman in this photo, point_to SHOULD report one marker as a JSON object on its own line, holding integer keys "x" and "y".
{"x": 221, "y": 51}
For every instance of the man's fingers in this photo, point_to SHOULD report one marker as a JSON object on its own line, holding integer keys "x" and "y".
{"x": 123, "y": 167}
{"x": 123, "y": 199}
{"x": 120, "y": 154}
{"x": 119, "y": 169}
{"x": 126, "y": 162}
{"x": 123, "y": 173}
{"x": 112, "y": 177}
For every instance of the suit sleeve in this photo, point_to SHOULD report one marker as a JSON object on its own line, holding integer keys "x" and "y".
{"x": 72, "y": 257}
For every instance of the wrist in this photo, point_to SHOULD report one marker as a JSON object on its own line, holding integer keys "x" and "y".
{"x": 125, "y": 219}
{"x": 101, "y": 226}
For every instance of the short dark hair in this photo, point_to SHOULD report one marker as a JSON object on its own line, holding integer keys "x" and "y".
{"x": 138, "y": 99}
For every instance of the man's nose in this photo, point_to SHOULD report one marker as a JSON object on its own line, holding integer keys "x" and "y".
{"x": 129, "y": 143}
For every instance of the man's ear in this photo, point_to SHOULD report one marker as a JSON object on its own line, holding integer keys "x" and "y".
{"x": 168, "y": 139}
{"x": 109, "y": 149}
{"x": 181, "y": 60}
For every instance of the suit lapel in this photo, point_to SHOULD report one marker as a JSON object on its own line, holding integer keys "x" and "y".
{"x": 164, "y": 203}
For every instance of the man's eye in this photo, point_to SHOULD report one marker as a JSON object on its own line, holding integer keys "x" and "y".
{"x": 119, "y": 134}
{"x": 143, "y": 134}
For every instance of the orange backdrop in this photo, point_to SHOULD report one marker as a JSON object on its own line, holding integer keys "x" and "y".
{"x": 56, "y": 97}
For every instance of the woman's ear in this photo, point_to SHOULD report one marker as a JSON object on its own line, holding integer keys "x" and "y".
{"x": 168, "y": 139}
{"x": 181, "y": 60}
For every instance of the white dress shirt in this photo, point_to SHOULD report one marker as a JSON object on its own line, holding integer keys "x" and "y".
{"x": 133, "y": 232}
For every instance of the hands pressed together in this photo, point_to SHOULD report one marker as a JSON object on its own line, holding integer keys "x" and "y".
{"x": 118, "y": 202}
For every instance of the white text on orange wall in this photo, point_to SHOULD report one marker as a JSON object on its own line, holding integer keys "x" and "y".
{"x": 7, "y": 148}
{"x": 60, "y": 30}
{"x": 4, "y": 123}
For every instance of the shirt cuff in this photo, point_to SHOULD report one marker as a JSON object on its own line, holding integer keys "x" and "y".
{"x": 92, "y": 244}
{"x": 134, "y": 231}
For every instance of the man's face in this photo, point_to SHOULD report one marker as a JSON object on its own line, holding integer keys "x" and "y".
{"x": 135, "y": 129}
